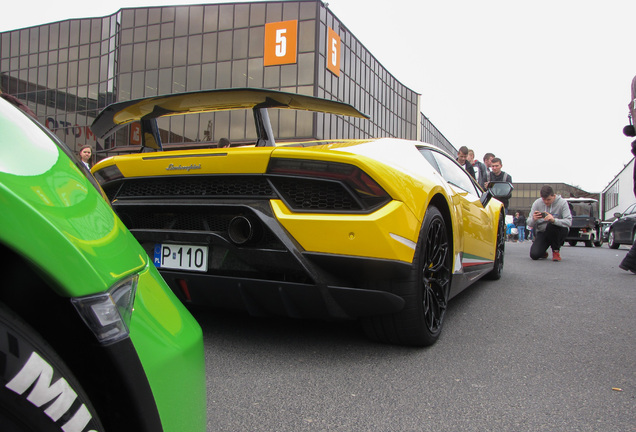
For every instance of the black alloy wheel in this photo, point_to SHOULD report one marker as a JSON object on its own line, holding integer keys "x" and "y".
{"x": 436, "y": 276}
{"x": 425, "y": 293}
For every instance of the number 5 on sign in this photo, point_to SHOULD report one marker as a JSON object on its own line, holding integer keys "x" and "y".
{"x": 280, "y": 43}
{"x": 333, "y": 52}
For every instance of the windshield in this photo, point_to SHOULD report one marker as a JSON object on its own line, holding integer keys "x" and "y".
{"x": 583, "y": 209}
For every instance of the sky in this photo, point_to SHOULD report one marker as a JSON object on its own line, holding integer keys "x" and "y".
{"x": 544, "y": 85}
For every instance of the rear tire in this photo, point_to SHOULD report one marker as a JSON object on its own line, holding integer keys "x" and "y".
{"x": 572, "y": 242}
{"x": 425, "y": 293}
{"x": 31, "y": 381}
{"x": 598, "y": 241}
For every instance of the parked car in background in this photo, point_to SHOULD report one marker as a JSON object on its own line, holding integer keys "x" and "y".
{"x": 586, "y": 226}
{"x": 623, "y": 229}
{"x": 605, "y": 228}
{"x": 382, "y": 230}
{"x": 91, "y": 338}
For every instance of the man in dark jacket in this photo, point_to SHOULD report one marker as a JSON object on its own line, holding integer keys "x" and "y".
{"x": 498, "y": 175}
{"x": 520, "y": 222}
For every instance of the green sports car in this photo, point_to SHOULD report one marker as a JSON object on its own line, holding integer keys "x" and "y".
{"x": 91, "y": 338}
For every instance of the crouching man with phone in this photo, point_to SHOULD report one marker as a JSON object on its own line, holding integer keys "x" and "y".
{"x": 551, "y": 219}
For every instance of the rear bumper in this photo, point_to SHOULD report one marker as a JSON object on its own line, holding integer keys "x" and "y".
{"x": 579, "y": 235}
{"x": 271, "y": 274}
{"x": 293, "y": 299}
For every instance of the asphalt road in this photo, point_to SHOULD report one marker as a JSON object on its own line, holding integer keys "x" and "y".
{"x": 549, "y": 347}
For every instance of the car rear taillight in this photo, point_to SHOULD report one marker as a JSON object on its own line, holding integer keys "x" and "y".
{"x": 365, "y": 191}
{"x": 108, "y": 174}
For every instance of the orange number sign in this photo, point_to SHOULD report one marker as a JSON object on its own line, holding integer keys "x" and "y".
{"x": 333, "y": 52}
{"x": 280, "y": 43}
{"x": 135, "y": 133}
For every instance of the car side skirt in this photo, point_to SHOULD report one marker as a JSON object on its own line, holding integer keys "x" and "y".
{"x": 468, "y": 269}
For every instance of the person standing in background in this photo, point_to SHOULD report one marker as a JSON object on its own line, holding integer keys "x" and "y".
{"x": 86, "y": 154}
{"x": 481, "y": 171}
{"x": 462, "y": 159}
{"x": 629, "y": 262}
{"x": 520, "y": 223}
{"x": 488, "y": 157}
{"x": 498, "y": 175}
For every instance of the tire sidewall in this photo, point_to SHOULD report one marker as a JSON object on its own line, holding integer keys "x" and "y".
{"x": 427, "y": 337}
{"x": 611, "y": 241}
{"x": 599, "y": 238}
{"x": 408, "y": 326}
{"x": 33, "y": 375}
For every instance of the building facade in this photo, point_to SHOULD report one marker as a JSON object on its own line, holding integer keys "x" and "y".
{"x": 68, "y": 71}
{"x": 619, "y": 193}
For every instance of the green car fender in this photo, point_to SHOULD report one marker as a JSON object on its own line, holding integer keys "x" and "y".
{"x": 55, "y": 217}
{"x": 169, "y": 343}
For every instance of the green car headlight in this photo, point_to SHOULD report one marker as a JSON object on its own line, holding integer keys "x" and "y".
{"x": 108, "y": 314}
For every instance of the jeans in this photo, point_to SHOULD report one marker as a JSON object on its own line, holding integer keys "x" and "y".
{"x": 522, "y": 232}
{"x": 553, "y": 237}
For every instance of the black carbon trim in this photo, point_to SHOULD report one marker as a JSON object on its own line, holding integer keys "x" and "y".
{"x": 300, "y": 194}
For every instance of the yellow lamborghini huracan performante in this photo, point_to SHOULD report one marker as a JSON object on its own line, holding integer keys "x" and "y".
{"x": 381, "y": 230}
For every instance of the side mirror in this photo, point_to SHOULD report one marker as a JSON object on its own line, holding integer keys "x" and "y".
{"x": 498, "y": 190}
{"x": 617, "y": 215}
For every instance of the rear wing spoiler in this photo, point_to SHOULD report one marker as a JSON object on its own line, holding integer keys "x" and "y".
{"x": 147, "y": 110}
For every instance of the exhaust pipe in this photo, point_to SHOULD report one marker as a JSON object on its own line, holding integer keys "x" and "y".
{"x": 242, "y": 231}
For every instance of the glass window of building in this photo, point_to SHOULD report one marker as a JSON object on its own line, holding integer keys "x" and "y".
{"x": 69, "y": 70}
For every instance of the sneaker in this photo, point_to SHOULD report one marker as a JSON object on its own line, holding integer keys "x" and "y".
{"x": 556, "y": 256}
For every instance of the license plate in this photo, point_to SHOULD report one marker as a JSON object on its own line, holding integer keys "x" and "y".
{"x": 181, "y": 257}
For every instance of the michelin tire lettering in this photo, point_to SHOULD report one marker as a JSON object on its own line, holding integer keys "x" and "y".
{"x": 37, "y": 374}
